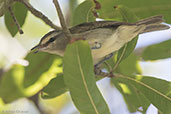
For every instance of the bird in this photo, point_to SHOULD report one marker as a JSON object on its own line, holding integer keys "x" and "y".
{"x": 103, "y": 37}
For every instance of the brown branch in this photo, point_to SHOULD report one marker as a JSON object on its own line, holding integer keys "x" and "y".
{"x": 39, "y": 14}
{"x": 15, "y": 20}
{"x": 62, "y": 20}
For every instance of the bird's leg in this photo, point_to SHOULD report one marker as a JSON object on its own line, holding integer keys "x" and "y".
{"x": 98, "y": 70}
{"x": 103, "y": 60}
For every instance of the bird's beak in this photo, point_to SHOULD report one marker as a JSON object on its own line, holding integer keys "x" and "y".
{"x": 36, "y": 47}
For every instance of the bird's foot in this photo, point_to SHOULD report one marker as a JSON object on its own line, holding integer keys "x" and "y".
{"x": 99, "y": 72}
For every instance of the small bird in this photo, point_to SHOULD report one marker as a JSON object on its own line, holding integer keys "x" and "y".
{"x": 104, "y": 37}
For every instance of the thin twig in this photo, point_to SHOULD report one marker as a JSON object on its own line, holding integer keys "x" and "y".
{"x": 39, "y": 14}
{"x": 15, "y": 20}
{"x": 62, "y": 20}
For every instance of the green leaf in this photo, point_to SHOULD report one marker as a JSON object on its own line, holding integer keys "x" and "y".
{"x": 11, "y": 87}
{"x": 129, "y": 65}
{"x": 155, "y": 90}
{"x": 55, "y": 88}
{"x": 42, "y": 68}
{"x": 22, "y": 81}
{"x": 143, "y": 8}
{"x": 132, "y": 96}
{"x": 118, "y": 13}
{"x": 20, "y": 12}
{"x": 83, "y": 13}
{"x": 79, "y": 78}
{"x": 158, "y": 51}
{"x": 127, "y": 49}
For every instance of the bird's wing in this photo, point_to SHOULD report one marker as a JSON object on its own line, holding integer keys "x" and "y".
{"x": 94, "y": 25}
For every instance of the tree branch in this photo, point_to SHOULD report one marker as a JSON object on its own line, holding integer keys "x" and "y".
{"x": 39, "y": 14}
{"x": 62, "y": 20}
{"x": 15, "y": 20}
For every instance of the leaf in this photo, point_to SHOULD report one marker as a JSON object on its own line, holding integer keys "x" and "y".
{"x": 79, "y": 78}
{"x": 55, "y": 88}
{"x": 42, "y": 68}
{"x": 132, "y": 96}
{"x": 22, "y": 81}
{"x": 143, "y": 8}
{"x": 129, "y": 48}
{"x": 83, "y": 13}
{"x": 158, "y": 51}
{"x": 155, "y": 90}
{"x": 20, "y": 12}
{"x": 11, "y": 84}
{"x": 129, "y": 65}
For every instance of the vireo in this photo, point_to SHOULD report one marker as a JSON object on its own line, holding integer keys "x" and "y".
{"x": 104, "y": 37}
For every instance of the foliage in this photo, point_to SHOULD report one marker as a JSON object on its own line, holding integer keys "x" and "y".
{"x": 20, "y": 16}
{"x": 45, "y": 72}
{"x": 151, "y": 52}
{"x": 80, "y": 79}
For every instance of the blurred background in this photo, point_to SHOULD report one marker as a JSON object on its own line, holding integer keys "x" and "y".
{"x": 13, "y": 50}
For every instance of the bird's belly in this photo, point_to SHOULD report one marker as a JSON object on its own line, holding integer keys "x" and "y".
{"x": 109, "y": 46}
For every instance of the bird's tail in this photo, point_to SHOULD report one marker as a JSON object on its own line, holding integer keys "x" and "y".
{"x": 153, "y": 24}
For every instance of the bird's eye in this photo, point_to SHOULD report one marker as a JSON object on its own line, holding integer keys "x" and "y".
{"x": 51, "y": 40}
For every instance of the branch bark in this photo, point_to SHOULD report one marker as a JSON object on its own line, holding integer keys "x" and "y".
{"x": 38, "y": 14}
{"x": 62, "y": 20}
{"x": 15, "y": 20}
